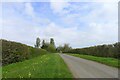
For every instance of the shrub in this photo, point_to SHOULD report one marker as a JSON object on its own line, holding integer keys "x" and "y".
{"x": 15, "y": 52}
{"x": 36, "y": 52}
{"x": 51, "y": 48}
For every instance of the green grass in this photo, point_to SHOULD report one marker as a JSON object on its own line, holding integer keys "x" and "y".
{"x": 36, "y": 52}
{"x": 108, "y": 61}
{"x": 0, "y": 73}
{"x": 47, "y": 66}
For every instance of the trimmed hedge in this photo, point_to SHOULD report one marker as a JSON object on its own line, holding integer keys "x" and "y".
{"x": 112, "y": 50}
{"x": 13, "y": 52}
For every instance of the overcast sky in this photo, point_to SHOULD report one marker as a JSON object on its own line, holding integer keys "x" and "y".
{"x": 80, "y": 24}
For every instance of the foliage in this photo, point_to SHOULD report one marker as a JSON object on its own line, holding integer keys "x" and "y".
{"x": 44, "y": 45}
{"x": 34, "y": 52}
{"x": 111, "y": 50}
{"x": 50, "y": 47}
{"x": 46, "y": 66}
{"x": 59, "y": 48}
{"x": 52, "y": 42}
{"x": 64, "y": 48}
{"x": 13, "y": 52}
{"x": 37, "y": 45}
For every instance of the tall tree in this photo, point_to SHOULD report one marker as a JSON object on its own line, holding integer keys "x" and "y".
{"x": 52, "y": 42}
{"x": 43, "y": 42}
{"x": 37, "y": 45}
{"x": 44, "y": 45}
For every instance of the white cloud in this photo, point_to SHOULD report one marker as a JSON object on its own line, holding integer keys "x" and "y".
{"x": 60, "y": 34}
{"x": 58, "y": 7}
{"x": 29, "y": 9}
{"x": 101, "y": 25}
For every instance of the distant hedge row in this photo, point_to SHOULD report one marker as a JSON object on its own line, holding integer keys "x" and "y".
{"x": 112, "y": 50}
{"x": 15, "y": 52}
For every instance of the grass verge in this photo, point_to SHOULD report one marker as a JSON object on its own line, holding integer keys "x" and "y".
{"x": 108, "y": 61}
{"x": 46, "y": 66}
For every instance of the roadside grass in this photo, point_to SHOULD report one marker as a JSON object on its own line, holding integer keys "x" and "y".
{"x": 0, "y": 73}
{"x": 108, "y": 61}
{"x": 47, "y": 66}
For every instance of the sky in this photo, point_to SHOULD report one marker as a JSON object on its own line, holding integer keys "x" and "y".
{"x": 80, "y": 24}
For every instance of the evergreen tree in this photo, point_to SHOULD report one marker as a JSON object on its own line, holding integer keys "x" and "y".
{"x": 37, "y": 45}
{"x": 44, "y": 45}
{"x": 52, "y": 42}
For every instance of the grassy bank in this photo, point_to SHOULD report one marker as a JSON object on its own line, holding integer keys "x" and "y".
{"x": 46, "y": 66}
{"x": 108, "y": 61}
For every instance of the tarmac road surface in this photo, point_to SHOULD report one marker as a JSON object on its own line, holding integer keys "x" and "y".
{"x": 82, "y": 68}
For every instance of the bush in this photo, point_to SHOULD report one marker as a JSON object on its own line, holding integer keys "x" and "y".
{"x": 36, "y": 52}
{"x": 15, "y": 52}
{"x": 51, "y": 48}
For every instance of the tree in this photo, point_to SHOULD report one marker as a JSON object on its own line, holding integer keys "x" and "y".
{"x": 66, "y": 47}
{"x": 44, "y": 45}
{"x": 59, "y": 48}
{"x": 51, "y": 48}
{"x": 52, "y": 42}
{"x": 37, "y": 45}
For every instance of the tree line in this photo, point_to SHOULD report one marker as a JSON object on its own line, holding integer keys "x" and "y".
{"x": 49, "y": 46}
{"x": 111, "y": 50}
{"x": 64, "y": 48}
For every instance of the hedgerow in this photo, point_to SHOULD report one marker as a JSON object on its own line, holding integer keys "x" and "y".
{"x": 111, "y": 50}
{"x": 13, "y": 52}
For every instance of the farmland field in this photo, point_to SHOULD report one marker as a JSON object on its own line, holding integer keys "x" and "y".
{"x": 47, "y": 66}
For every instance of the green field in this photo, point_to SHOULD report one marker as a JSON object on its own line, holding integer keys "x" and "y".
{"x": 47, "y": 66}
{"x": 108, "y": 61}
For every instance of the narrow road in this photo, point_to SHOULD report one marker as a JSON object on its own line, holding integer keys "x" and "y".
{"x": 82, "y": 68}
